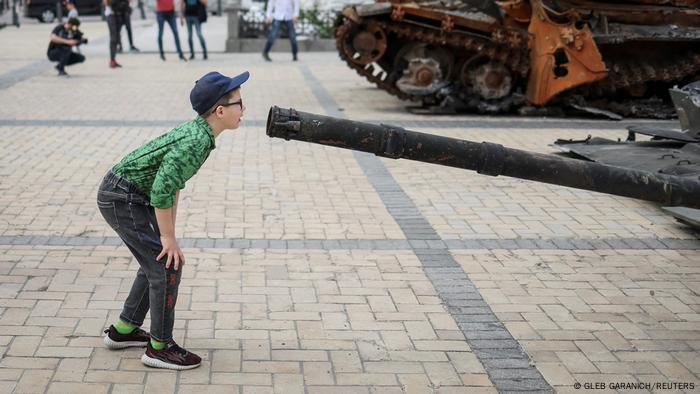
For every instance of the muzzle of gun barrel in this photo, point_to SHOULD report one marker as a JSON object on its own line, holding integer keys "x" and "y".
{"x": 283, "y": 123}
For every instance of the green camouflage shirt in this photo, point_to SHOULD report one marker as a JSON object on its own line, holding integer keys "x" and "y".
{"x": 162, "y": 166}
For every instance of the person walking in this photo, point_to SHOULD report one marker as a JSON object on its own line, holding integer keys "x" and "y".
{"x": 281, "y": 12}
{"x": 165, "y": 12}
{"x": 195, "y": 12}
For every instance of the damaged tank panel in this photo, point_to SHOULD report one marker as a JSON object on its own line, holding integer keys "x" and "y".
{"x": 496, "y": 56}
{"x": 669, "y": 152}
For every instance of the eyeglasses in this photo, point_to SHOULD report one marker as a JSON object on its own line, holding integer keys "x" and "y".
{"x": 239, "y": 102}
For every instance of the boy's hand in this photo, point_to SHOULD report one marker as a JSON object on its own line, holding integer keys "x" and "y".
{"x": 172, "y": 250}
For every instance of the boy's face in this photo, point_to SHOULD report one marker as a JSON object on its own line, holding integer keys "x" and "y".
{"x": 232, "y": 114}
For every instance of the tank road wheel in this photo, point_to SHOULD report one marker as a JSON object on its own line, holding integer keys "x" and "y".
{"x": 365, "y": 45}
{"x": 424, "y": 69}
{"x": 491, "y": 80}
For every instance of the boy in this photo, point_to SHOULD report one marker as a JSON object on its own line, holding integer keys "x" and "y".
{"x": 138, "y": 199}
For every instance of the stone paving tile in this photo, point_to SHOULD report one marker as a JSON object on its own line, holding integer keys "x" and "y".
{"x": 254, "y": 315}
{"x": 595, "y": 315}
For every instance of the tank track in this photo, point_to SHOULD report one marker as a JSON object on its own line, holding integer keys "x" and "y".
{"x": 514, "y": 58}
{"x": 342, "y": 29}
{"x": 623, "y": 75}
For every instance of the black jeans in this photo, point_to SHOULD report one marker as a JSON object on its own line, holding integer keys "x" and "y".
{"x": 127, "y": 211}
{"x": 127, "y": 24}
{"x": 65, "y": 57}
{"x": 115, "y": 23}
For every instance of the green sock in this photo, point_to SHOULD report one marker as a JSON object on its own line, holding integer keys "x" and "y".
{"x": 123, "y": 327}
{"x": 158, "y": 345}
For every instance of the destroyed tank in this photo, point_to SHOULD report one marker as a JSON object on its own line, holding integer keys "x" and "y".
{"x": 499, "y": 56}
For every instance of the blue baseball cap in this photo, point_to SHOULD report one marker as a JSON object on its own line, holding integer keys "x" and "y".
{"x": 211, "y": 87}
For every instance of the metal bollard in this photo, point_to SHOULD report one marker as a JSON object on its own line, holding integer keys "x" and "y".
{"x": 59, "y": 11}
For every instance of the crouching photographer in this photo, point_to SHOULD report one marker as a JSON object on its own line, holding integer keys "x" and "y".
{"x": 64, "y": 38}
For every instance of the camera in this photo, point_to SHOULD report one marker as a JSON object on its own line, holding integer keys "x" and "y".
{"x": 76, "y": 34}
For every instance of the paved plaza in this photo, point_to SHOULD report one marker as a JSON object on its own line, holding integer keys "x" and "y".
{"x": 317, "y": 270}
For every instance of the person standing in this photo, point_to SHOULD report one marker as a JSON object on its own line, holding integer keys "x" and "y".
{"x": 195, "y": 12}
{"x": 127, "y": 24}
{"x": 72, "y": 11}
{"x": 114, "y": 12}
{"x": 165, "y": 12}
{"x": 281, "y": 12}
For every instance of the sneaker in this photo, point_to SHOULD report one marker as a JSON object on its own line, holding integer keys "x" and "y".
{"x": 191, "y": 56}
{"x": 114, "y": 64}
{"x": 115, "y": 340}
{"x": 294, "y": 58}
{"x": 266, "y": 56}
{"x": 172, "y": 357}
{"x": 162, "y": 56}
{"x": 205, "y": 57}
{"x": 61, "y": 71}
{"x": 134, "y": 49}
{"x": 182, "y": 57}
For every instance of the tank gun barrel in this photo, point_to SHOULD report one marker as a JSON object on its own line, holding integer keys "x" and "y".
{"x": 485, "y": 157}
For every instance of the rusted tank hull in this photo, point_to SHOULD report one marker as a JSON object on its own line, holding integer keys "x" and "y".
{"x": 528, "y": 52}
